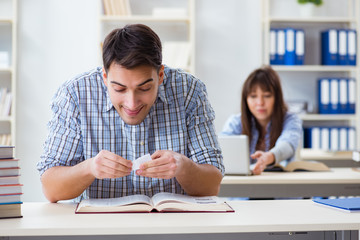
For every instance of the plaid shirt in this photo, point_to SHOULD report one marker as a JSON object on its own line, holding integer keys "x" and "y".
{"x": 84, "y": 122}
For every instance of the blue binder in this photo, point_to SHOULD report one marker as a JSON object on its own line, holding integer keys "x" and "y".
{"x": 342, "y": 47}
{"x": 299, "y": 46}
{"x": 351, "y": 46}
{"x": 351, "y": 95}
{"x": 289, "y": 58}
{"x": 329, "y": 47}
{"x": 343, "y": 95}
{"x": 334, "y": 96}
{"x": 272, "y": 47}
{"x": 280, "y": 46}
{"x": 312, "y": 137}
{"x": 324, "y": 95}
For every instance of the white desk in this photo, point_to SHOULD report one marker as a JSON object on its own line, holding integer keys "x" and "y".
{"x": 338, "y": 182}
{"x": 259, "y": 219}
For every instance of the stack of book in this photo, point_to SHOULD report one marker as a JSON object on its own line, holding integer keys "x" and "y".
{"x": 10, "y": 187}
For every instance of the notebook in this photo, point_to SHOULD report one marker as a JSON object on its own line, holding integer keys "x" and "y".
{"x": 347, "y": 204}
{"x": 236, "y": 158}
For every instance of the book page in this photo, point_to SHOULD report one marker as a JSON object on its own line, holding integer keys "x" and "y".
{"x": 122, "y": 204}
{"x": 171, "y": 202}
{"x": 165, "y": 197}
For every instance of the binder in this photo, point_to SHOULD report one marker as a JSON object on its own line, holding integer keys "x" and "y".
{"x": 343, "y": 96}
{"x": 324, "y": 138}
{"x": 334, "y": 139}
{"x": 334, "y": 96}
{"x": 280, "y": 46}
{"x": 324, "y": 95}
{"x": 342, "y": 47}
{"x": 343, "y": 139}
{"x": 272, "y": 46}
{"x": 351, "y": 138}
{"x": 299, "y": 47}
{"x": 312, "y": 137}
{"x": 352, "y": 95}
{"x": 329, "y": 47}
{"x": 351, "y": 46}
{"x": 289, "y": 58}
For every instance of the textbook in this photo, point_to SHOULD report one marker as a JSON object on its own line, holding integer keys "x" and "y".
{"x": 160, "y": 202}
{"x": 298, "y": 166}
{"x": 6, "y": 151}
{"x": 346, "y": 204}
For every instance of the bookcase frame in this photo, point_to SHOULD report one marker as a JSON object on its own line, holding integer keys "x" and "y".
{"x": 11, "y": 70}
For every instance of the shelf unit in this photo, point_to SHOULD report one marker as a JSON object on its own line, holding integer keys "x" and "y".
{"x": 8, "y": 43}
{"x": 169, "y": 28}
{"x": 300, "y": 81}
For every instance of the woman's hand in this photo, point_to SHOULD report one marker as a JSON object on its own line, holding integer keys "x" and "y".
{"x": 263, "y": 160}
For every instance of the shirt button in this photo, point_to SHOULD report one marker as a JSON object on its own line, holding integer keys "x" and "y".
{"x": 142, "y": 143}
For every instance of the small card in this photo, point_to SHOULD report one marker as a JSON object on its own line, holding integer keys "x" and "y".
{"x": 137, "y": 162}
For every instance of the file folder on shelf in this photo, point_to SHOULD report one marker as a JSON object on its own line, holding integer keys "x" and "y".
{"x": 272, "y": 46}
{"x": 299, "y": 47}
{"x": 280, "y": 46}
{"x": 329, "y": 47}
{"x": 342, "y": 47}
{"x": 289, "y": 58}
{"x": 324, "y": 95}
{"x": 351, "y": 46}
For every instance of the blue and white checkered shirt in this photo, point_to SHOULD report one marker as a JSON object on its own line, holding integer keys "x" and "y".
{"x": 84, "y": 122}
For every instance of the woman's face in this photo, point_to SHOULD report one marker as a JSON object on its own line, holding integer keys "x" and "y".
{"x": 261, "y": 104}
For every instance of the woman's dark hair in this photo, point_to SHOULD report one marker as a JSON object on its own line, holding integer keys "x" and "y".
{"x": 268, "y": 80}
{"x": 132, "y": 46}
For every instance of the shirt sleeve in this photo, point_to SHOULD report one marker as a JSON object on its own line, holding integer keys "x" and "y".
{"x": 232, "y": 125}
{"x": 63, "y": 146}
{"x": 203, "y": 144}
{"x": 289, "y": 139}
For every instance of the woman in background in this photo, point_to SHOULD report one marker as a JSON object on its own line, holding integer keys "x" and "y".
{"x": 273, "y": 132}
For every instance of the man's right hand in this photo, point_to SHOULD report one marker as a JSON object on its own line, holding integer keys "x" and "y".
{"x": 109, "y": 165}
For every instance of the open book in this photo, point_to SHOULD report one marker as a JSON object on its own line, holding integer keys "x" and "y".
{"x": 160, "y": 202}
{"x": 297, "y": 166}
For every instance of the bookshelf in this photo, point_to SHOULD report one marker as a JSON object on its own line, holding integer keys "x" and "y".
{"x": 8, "y": 59}
{"x": 300, "y": 81}
{"x": 173, "y": 21}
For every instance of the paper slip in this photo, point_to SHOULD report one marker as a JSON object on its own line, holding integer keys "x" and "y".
{"x": 137, "y": 162}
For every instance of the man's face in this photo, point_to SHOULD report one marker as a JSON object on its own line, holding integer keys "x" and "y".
{"x": 133, "y": 92}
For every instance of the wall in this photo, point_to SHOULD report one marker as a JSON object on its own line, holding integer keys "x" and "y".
{"x": 59, "y": 39}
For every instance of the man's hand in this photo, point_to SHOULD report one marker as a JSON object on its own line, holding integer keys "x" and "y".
{"x": 109, "y": 165}
{"x": 263, "y": 160}
{"x": 165, "y": 164}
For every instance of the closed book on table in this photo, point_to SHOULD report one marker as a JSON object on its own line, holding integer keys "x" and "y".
{"x": 346, "y": 204}
{"x": 12, "y": 210}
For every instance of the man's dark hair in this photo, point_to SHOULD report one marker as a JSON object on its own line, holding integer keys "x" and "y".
{"x": 132, "y": 46}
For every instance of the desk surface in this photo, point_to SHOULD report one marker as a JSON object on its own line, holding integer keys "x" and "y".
{"x": 337, "y": 182}
{"x": 335, "y": 176}
{"x": 54, "y": 219}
